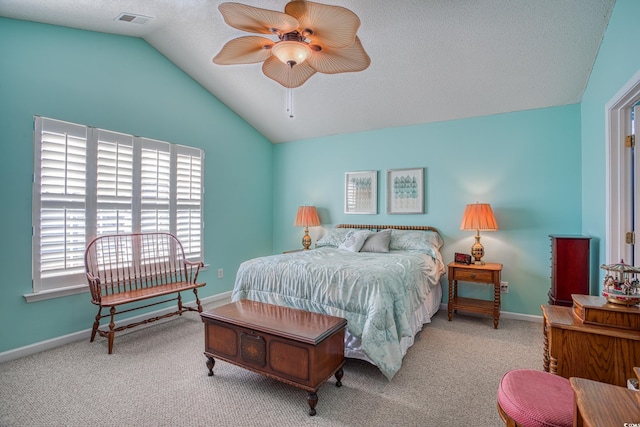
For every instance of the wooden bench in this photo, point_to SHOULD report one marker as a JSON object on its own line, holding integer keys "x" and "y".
{"x": 129, "y": 268}
{"x": 296, "y": 347}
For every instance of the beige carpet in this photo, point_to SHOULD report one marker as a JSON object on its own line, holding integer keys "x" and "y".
{"x": 157, "y": 377}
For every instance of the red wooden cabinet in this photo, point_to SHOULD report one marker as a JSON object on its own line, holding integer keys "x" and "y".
{"x": 569, "y": 268}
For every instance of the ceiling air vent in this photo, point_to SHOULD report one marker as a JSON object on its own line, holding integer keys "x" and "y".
{"x": 132, "y": 17}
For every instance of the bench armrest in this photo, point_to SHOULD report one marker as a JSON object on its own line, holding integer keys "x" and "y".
{"x": 192, "y": 268}
{"x": 94, "y": 287}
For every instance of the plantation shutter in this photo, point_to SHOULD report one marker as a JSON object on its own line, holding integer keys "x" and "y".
{"x": 155, "y": 187}
{"x": 189, "y": 200}
{"x": 114, "y": 183}
{"x": 60, "y": 181}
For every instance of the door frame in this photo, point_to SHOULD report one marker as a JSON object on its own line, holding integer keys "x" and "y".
{"x": 618, "y": 170}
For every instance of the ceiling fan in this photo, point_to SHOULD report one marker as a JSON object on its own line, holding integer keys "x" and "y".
{"x": 311, "y": 37}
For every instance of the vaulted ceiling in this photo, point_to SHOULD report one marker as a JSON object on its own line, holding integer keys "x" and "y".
{"x": 431, "y": 60}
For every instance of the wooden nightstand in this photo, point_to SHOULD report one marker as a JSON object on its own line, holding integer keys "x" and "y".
{"x": 489, "y": 274}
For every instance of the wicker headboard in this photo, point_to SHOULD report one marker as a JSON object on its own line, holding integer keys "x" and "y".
{"x": 384, "y": 227}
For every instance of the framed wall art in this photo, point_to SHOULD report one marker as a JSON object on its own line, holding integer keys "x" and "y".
{"x": 405, "y": 191}
{"x": 361, "y": 192}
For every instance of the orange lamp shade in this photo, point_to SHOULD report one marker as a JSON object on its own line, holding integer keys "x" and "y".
{"x": 307, "y": 216}
{"x": 479, "y": 216}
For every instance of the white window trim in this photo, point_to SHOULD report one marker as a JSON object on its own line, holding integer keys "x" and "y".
{"x": 618, "y": 173}
{"x": 77, "y": 282}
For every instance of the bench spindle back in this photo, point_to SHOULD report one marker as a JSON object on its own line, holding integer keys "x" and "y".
{"x": 127, "y": 262}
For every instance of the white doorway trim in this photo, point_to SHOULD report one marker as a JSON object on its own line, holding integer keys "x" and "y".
{"x": 618, "y": 170}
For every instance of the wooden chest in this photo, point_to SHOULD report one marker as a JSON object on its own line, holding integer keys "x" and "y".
{"x": 597, "y": 311}
{"x": 297, "y": 347}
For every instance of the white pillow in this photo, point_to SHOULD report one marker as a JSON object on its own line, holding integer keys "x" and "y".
{"x": 354, "y": 240}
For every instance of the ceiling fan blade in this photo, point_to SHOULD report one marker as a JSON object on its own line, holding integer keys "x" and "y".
{"x": 342, "y": 60}
{"x": 257, "y": 20}
{"x": 244, "y": 50}
{"x": 287, "y": 76}
{"x": 333, "y": 26}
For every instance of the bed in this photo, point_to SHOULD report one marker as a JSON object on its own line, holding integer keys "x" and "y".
{"x": 385, "y": 280}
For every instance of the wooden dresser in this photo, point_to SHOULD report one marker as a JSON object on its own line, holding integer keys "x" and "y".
{"x": 593, "y": 339}
{"x": 569, "y": 268}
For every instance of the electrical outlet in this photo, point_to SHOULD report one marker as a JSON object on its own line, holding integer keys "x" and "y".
{"x": 220, "y": 273}
{"x": 504, "y": 287}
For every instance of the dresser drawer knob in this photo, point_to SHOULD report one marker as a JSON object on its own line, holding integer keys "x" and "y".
{"x": 473, "y": 275}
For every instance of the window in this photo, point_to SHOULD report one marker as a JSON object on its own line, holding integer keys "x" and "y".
{"x": 90, "y": 182}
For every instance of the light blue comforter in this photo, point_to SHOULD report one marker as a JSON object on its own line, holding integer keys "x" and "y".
{"x": 376, "y": 292}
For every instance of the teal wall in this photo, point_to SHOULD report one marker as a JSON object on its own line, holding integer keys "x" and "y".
{"x": 526, "y": 164}
{"x": 125, "y": 85}
{"x": 542, "y": 170}
{"x": 618, "y": 60}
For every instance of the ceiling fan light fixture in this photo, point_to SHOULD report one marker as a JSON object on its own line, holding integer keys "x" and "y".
{"x": 312, "y": 38}
{"x": 291, "y": 52}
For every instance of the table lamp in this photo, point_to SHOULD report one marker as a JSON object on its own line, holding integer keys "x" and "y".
{"x": 478, "y": 216}
{"x": 306, "y": 217}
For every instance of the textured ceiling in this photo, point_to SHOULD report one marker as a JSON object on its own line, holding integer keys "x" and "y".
{"x": 431, "y": 60}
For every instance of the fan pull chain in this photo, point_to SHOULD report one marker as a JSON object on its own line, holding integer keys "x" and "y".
{"x": 290, "y": 90}
{"x": 290, "y": 102}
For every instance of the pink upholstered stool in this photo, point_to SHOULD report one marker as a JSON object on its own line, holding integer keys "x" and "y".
{"x": 530, "y": 398}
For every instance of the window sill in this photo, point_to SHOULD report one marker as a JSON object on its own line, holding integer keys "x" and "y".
{"x": 56, "y": 293}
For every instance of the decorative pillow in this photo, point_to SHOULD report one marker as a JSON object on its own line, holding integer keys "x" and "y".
{"x": 333, "y": 238}
{"x": 415, "y": 240}
{"x": 377, "y": 242}
{"x": 354, "y": 240}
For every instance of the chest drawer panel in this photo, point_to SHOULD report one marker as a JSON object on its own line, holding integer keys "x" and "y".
{"x": 470, "y": 275}
{"x": 221, "y": 339}
{"x": 289, "y": 359}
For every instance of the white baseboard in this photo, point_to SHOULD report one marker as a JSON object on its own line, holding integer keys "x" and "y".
{"x": 505, "y": 315}
{"x": 520, "y": 316}
{"x": 86, "y": 334}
